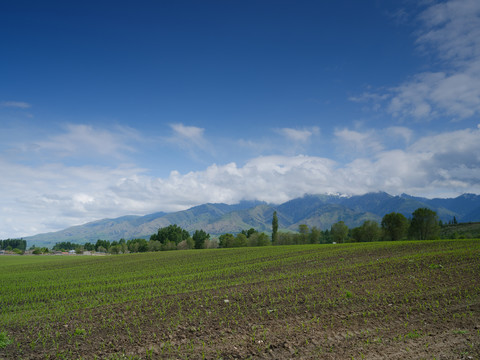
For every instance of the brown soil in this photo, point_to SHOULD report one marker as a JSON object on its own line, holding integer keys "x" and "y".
{"x": 396, "y": 312}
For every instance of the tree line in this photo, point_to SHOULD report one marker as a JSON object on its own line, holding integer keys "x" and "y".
{"x": 11, "y": 244}
{"x": 172, "y": 237}
{"x": 423, "y": 225}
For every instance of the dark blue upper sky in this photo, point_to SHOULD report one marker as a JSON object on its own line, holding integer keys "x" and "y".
{"x": 245, "y": 65}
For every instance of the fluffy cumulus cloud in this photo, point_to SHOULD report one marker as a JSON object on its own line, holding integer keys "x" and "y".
{"x": 53, "y": 196}
{"x": 445, "y": 164}
{"x": 269, "y": 178}
{"x": 48, "y": 197}
{"x": 450, "y": 33}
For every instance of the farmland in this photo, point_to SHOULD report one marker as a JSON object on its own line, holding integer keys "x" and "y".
{"x": 396, "y": 300}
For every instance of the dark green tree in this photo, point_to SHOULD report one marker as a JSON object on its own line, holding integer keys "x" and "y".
{"x": 424, "y": 224}
{"x": 199, "y": 237}
{"x": 142, "y": 245}
{"x": 274, "y": 227}
{"x": 284, "y": 238}
{"x": 173, "y": 233}
{"x": 114, "y": 249}
{"x": 327, "y": 237}
{"x": 263, "y": 239}
{"x": 64, "y": 245}
{"x": 249, "y": 232}
{"x": 89, "y": 246}
{"x": 123, "y": 246}
{"x": 339, "y": 232}
{"x": 369, "y": 231}
{"x": 240, "y": 240}
{"x": 394, "y": 226}
{"x": 137, "y": 245}
{"x": 14, "y": 244}
{"x": 102, "y": 243}
{"x": 303, "y": 230}
{"x": 226, "y": 240}
{"x": 258, "y": 239}
{"x": 154, "y": 245}
{"x": 315, "y": 236}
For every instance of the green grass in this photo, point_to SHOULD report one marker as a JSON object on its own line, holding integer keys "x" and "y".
{"x": 4, "y": 340}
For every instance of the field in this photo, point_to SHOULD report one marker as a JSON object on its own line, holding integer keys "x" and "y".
{"x": 404, "y": 300}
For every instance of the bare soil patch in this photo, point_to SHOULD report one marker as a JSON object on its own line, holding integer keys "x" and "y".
{"x": 411, "y": 308}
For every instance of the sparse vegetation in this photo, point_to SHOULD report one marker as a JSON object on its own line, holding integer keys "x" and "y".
{"x": 4, "y": 340}
{"x": 306, "y": 301}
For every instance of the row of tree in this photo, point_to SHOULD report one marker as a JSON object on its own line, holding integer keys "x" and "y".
{"x": 10, "y": 244}
{"x": 250, "y": 237}
{"x": 423, "y": 225}
{"x": 172, "y": 237}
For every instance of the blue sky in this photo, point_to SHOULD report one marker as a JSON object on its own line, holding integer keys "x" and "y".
{"x": 113, "y": 108}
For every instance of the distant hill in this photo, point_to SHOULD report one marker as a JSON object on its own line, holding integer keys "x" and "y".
{"x": 314, "y": 210}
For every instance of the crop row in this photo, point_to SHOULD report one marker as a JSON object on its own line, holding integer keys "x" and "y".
{"x": 273, "y": 301}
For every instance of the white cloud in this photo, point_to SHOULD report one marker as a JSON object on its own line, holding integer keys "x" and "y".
{"x": 450, "y": 33}
{"x": 53, "y": 196}
{"x": 270, "y": 178}
{"x": 87, "y": 141}
{"x": 256, "y": 146}
{"x": 189, "y": 134}
{"x": 298, "y": 135}
{"x": 356, "y": 142}
{"x": 451, "y": 167}
{"x": 430, "y": 95}
{"x": 399, "y": 132}
{"x": 50, "y": 197}
{"x": 452, "y": 30}
{"x": 190, "y": 139}
{"x": 15, "y": 104}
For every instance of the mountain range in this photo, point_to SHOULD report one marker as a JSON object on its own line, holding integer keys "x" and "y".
{"x": 314, "y": 210}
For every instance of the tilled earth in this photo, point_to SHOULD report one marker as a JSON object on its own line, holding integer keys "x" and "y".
{"x": 425, "y": 308}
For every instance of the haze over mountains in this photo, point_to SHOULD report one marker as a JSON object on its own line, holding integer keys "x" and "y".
{"x": 314, "y": 210}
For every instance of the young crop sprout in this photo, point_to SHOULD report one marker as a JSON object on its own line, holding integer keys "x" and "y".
{"x": 242, "y": 302}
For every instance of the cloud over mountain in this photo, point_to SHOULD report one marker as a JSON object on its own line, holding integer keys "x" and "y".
{"x": 444, "y": 164}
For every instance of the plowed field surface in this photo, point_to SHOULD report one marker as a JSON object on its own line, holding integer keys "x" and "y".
{"x": 405, "y": 300}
